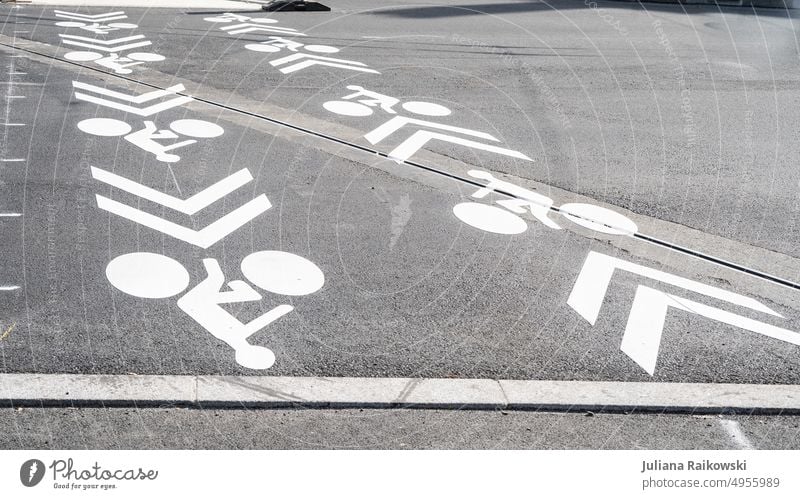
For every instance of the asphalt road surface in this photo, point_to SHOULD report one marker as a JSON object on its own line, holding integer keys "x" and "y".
{"x": 506, "y": 190}
{"x": 107, "y": 428}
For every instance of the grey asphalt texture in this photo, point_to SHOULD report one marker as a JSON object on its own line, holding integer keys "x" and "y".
{"x": 410, "y": 290}
{"x": 169, "y": 428}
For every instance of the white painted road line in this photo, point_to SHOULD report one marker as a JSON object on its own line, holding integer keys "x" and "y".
{"x": 430, "y": 393}
{"x": 8, "y": 288}
{"x": 736, "y": 435}
{"x": 13, "y": 160}
{"x": 10, "y": 215}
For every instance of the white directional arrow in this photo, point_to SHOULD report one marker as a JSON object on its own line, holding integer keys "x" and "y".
{"x": 421, "y": 137}
{"x": 642, "y": 338}
{"x": 317, "y": 60}
{"x": 643, "y": 331}
{"x": 109, "y": 16}
{"x": 188, "y": 206}
{"x": 591, "y": 286}
{"x": 418, "y": 140}
{"x": 135, "y": 99}
{"x": 203, "y": 238}
{"x": 237, "y": 29}
{"x": 116, "y": 45}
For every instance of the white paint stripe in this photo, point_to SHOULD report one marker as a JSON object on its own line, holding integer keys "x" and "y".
{"x": 204, "y": 238}
{"x": 401, "y": 36}
{"x": 8, "y": 288}
{"x": 10, "y": 215}
{"x": 279, "y": 391}
{"x": 140, "y": 99}
{"x": 104, "y": 42}
{"x": 16, "y": 73}
{"x": 14, "y": 96}
{"x": 589, "y": 291}
{"x": 116, "y": 48}
{"x": 136, "y": 99}
{"x": 13, "y": 160}
{"x": 734, "y": 431}
{"x": 188, "y": 206}
{"x": 642, "y": 337}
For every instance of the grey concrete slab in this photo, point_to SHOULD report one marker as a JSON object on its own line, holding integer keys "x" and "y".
{"x": 350, "y": 392}
{"x": 22, "y": 389}
{"x": 638, "y": 396}
{"x": 48, "y": 390}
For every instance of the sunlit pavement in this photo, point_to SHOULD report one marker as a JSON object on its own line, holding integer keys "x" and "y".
{"x": 504, "y": 191}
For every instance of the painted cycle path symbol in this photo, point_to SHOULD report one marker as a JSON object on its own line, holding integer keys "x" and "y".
{"x": 410, "y": 286}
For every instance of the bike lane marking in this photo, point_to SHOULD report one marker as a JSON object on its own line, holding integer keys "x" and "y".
{"x": 523, "y": 200}
{"x": 21, "y": 390}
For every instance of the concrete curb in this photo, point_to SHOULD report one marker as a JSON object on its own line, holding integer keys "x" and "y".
{"x": 153, "y": 4}
{"x": 37, "y": 390}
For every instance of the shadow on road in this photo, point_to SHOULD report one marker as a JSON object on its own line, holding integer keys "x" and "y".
{"x": 432, "y": 12}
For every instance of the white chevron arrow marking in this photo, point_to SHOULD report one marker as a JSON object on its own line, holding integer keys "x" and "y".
{"x": 104, "y": 42}
{"x": 421, "y": 137}
{"x": 203, "y": 238}
{"x": 188, "y": 206}
{"x": 247, "y": 28}
{"x": 116, "y": 45}
{"x": 642, "y": 338}
{"x": 316, "y": 60}
{"x": 399, "y": 122}
{"x": 110, "y": 16}
{"x": 418, "y": 140}
{"x": 591, "y": 286}
{"x": 135, "y": 99}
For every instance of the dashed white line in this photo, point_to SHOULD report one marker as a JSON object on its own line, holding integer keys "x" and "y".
{"x": 734, "y": 431}
{"x": 14, "y": 96}
{"x": 10, "y": 215}
{"x": 12, "y": 160}
{"x": 16, "y": 73}
{"x": 8, "y": 288}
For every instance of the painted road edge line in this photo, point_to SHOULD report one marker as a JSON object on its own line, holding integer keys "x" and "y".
{"x": 423, "y": 393}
